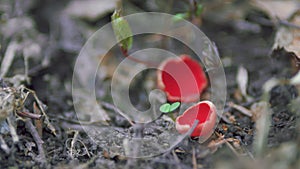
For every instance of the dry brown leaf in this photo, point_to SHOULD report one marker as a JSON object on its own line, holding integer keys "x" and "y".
{"x": 294, "y": 46}
{"x": 282, "y": 9}
{"x": 283, "y": 38}
{"x": 289, "y": 37}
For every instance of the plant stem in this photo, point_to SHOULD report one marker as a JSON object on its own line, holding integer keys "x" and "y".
{"x": 149, "y": 64}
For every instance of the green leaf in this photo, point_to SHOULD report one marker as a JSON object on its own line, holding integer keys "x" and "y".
{"x": 165, "y": 108}
{"x": 180, "y": 17}
{"x": 174, "y": 106}
{"x": 199, "y": 10}
{"x": 122, "y": 30}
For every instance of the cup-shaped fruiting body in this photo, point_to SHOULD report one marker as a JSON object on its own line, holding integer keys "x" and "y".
{"x": 182, "y": 79}
{"x": 205, "y": 112}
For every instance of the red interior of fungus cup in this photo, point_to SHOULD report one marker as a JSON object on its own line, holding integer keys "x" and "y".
{"x": 205, "y": 112}
{"x": 182, "y": 79}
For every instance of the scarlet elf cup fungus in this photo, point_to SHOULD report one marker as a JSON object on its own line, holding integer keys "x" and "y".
{"x": 182, "y": 79}
{"x": 205, "y": 112}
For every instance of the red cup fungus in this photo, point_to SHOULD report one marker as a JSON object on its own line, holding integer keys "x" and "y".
{"x": 182, "y": 79}
{"x": 205, "y": 112}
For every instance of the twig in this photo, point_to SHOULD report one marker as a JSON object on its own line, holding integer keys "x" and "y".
{"x": 147, "y": 63}
{"x": 29, "y": 115}
{"x": 114, "y": 108}
{"x": 12, "y": 130}
{"x": 176, "y": 159}
{"x": 3, "y": 145}
{"x": 232, "y": 148}
{"x": 229, "y": 145}
{"x": 32, "y": 130}
{"x": 276, "y": 22}
{"x": 73, "y": 142}
{"x": 26, "y": 65}
{"x": 38, "y": 122}
{"x": 289, "y": 24}
{"x": 39, "y": 105}
{"x": 131, "y": 161}
{"x": 194, "y": 159}
{"x": 241, "y": 109}
{"x": 248, "y": 152}
{"x": 37, "y": 69}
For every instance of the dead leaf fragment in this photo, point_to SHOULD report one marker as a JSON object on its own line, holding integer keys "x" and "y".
{"x": 269, "y": 84}
{"x": 289, "y": 37}
{"x": 8, "y": 58}
{"x": 242, "y": 80}
{"x": 90, "y": 9}
{"x": 295, "y": 80}
{"x": 282, "y": 9}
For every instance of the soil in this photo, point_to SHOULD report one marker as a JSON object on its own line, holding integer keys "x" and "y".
{"x": 251, "y": 49}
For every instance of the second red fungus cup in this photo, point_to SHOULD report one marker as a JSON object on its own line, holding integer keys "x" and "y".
{"x": 182, "y": 79}
{"x": 205, "y": 112}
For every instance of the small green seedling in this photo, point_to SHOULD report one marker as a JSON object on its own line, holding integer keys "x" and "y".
{"x": 167, "y": 107}
{"x": 180, "y": 16}
{"x": 186, "y": 15}
{"x": 199, "y": 9}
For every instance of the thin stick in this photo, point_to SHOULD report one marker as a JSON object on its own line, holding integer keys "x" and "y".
{"x": 28, "y": 114}
{"x": 194, "y": 159}
{"x": 12, "y": 130}
{"x": 32, "y": 130}
{"x": 241, "y": 109}
{"x": 73, "y": 142}
{"x": 39, "y": 104}
{"x": 3, "y": 145}
{"x": 85, "y": 148}
{"x": 231, "y": 148}
{"x": 175, "y": 157}
{"x": 289, "y": 24}
{"x": 26, "y": 65}
{"x": 114, "y": 108}
{"x": 38, "y": 122}
{"x": 276, "y": 22}
{"x": 229, "y": 145}
{"x": 248, "y": 152}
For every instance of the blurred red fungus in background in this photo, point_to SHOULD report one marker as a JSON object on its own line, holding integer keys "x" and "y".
{"x": 182, "y": 79}
{"x": 205, "y": 112}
